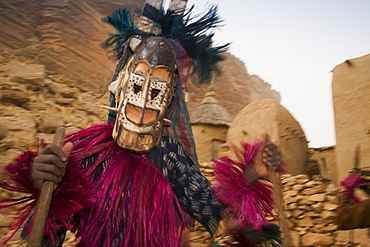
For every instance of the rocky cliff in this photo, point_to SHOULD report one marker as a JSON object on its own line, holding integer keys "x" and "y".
{"x": 66, "y": 37}
{"x": 234, "y": 86}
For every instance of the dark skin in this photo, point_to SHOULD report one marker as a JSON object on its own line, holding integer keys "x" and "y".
{"x": 271, "y": 157}
{"x": 50, "y": 164}
{"x": 267, "y": 156}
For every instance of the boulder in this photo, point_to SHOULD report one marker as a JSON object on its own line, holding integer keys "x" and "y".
{"x": 330, "y": 206}
{"x": 291, "y": 193}
{"x": 290, "y": 199}
{"x": 35, "y": 106}
{"x": 306, "y": 221}
{"x": 317, "y": 198}
{"x": 297, "y": 212}
{"x": 313, "y": 190}
{"x": 317, "y": 207}
{"x": 328, "y": 215}
{"x": 3, "y": 131}
{"x": 61, "y": 89}
{"x": 20, "y": 122}
{"x": 6, "y": 143}
{"x": 33, "y": 75}
{"x": 316, "y": 239}
{"x": 48, "y": 123}
{"x": 64, "y": 101}
{"x": 295, "y": 238}
{"x": 15, "y": 97}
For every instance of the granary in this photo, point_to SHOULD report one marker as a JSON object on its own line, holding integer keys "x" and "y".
{"x": 210, "y": 122}
{"x": 267, "y": 115}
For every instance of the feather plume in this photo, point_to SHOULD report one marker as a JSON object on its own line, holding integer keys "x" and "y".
{"x": 191, "y": 32}
{"x": 123, "y": 22}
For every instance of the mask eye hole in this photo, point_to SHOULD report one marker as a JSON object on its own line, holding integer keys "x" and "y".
{"x": 154, "y": 93}
{"x": 137, "y": 88}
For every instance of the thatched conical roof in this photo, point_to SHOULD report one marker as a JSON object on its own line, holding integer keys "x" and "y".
{"x": 211, "y": 112}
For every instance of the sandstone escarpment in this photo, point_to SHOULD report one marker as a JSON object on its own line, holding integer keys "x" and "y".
{"x": 64, "y": 35}
{"x": 234, "y": 86}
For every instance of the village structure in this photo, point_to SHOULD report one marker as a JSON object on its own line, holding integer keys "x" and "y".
{"x": 311, "y": 188}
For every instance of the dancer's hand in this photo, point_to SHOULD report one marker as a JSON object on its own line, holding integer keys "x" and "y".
{"x": 267, "y": 155}
{"x": 271, "y": 155}
{"x": 50, "y": 164}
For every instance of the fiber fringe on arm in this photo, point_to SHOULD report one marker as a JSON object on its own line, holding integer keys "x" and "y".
{"x": 250, "y": 202}
{"x": 72, "y": 195}
{"x": 351, "y": 182}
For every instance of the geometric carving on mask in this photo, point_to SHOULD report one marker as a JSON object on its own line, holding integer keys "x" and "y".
{"x": 145, "y": 94}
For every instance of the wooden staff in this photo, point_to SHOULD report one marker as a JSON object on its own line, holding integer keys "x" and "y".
{"x": 178, "y": 6}
{"x": 278, "y": 199}
{"x": 43, "y": 202}
{"x": 146, "y": 24}
{"x": 355, "y": 170}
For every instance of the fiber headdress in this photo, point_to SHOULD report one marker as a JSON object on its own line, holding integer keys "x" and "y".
{"x": 192, "y": 46}
{"x": 174, "y": 24}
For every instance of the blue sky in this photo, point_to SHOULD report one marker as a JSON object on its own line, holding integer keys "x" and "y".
{"x": 294, "y": 45}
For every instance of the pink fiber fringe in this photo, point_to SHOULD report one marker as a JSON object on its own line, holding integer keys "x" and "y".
{"x": 351, "y": 182}
{"x": 130, "y": 195}
{"x": 249, "y": 202}
{"x": 134, "y": 199}
{"x": 72, "y": 195}
{"x": 19, "y": 172}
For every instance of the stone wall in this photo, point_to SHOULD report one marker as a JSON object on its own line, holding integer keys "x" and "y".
{"x": 309, "y": 207}
{"x": 32, "y": 106}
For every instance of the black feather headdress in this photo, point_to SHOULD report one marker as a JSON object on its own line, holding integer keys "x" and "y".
{"x": 192, "y": 33}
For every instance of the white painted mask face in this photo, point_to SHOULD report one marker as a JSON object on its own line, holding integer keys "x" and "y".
{"x": 145, "y": 90}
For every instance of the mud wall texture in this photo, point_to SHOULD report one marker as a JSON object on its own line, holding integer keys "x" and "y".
{"x": 267, "y": 115}
{"x": 351, "y": 101}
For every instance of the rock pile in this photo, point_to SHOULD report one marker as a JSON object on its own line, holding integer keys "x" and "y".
{"x": 31, "y": 111}
{"x": 309, "y": 207}
{"x": 32, "y": 106}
